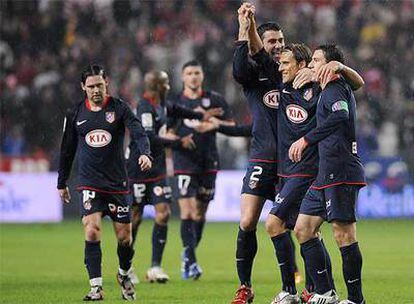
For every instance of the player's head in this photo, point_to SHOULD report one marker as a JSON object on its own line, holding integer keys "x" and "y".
{"x": 94, "y": 83}
{"x": 192, "y": 75}
{"x": 324, "y": 54}
{"x": 157, "y": 82}
{"x": 272, "y": 38}
{"x": 293, "y": 57}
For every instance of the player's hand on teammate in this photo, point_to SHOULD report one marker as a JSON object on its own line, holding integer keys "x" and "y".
{"x": 187, "y": 142}
{"x": 144, "y": 162}
{"x": 296, "y": 149}
{"x": 328, "y": 72}
{"x": 64, "y": 195}
{"x": 303, "y": 76}
{"x": 170, "y": 136}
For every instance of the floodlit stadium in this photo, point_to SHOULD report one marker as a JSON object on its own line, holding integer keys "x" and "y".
{"x": 161, "y": 151}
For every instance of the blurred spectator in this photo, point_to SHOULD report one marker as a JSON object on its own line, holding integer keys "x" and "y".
{"x": 45, "y": 44}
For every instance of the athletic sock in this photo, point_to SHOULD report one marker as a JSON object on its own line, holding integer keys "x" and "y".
{"x": 245, "y": 253}
{"x": 351, "y": 267}
{"x": 125, "y": 255}
{"x": 198, "y": 229}
{"x": 93, "y": 260}
{"x": 188, "y": 239}
{"x": 285, "y": 256}
{"x": 159, "y": 239}
{"x": 294, "y": 250}
{"x": 314, "y": 256}
{"x": 328, "y": 264}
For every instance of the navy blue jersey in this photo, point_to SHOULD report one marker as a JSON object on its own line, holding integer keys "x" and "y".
{"x": 263, "y": 96}
{"x": 97, "y": 138}
{"x": 296, "y": 117}
{"x": 335, "y": 135}
{"x": 204, "y": 158}
{"x": 153, "y": 117}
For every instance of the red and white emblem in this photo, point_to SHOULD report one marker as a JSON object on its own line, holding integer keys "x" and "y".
{"x": 296, "y": 114}
{"x": 308, "y": 94}
{"x": 110, "y": 117}
{"x": 271, "y": 99}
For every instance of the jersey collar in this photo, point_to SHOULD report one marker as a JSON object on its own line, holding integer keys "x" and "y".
{"x": 104, "y": 104}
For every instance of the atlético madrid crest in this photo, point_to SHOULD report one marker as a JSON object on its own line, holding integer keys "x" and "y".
{"x": 110, "y": 117}
{"x": 205, "y": 102}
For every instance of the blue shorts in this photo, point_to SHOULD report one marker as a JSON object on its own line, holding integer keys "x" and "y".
{"x": 336, "y": 203}
{"x": 261, "y": 180}
{"x": 115, "y": 206}
{"x": 201, "y": 186}
{"x": 287, "y": 202}
{"x": 155, "y": 192}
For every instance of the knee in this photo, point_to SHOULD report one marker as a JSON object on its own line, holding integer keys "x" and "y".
{"x": 92, "y": 231}
{"x": 247, "y": 223}
{"x": 124, "y": 236}
{"x": 274, "y": 226}
{"x": 303, "y": 233}
{"x": 162, "y": 217}
{"x": 344, "y": 234}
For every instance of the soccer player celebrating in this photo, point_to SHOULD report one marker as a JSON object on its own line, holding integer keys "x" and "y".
{"x": 196, "y": 169}
{"x": 333, "y": 195}
{"x": 296, "y": 117}
{"x": 94, "y": 130}
{"x": 260, "y": 180}
{"x": 150, "y": 187}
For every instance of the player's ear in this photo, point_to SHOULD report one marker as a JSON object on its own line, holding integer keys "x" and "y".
{"x": 302, "y": 64}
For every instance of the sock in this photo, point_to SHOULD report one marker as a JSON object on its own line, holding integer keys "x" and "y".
{"x": 245, "y": 253}
{"x": 314, "y": 256}
{"x": 285, "y": 257}
{"x": 295, "y": 265}
{"x": 159, "y": 239}
{"x": 125, "y": 255}
{"x": 198, "y": 229}
{"x": 310, "y": 287}
{"x": 93, "y": 259}
{"x": 328, "y": 264}
{"x": 188, "y": 239}
{"x": 351, "y": 267}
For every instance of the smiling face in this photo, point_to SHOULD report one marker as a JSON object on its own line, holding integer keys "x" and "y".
{"x": 288, "y": 66}
{"x": 273, "y": 42}
{"x": 95, "y": 88}
{"x": 318, "y": 60}
{"x": 192, "y": 77}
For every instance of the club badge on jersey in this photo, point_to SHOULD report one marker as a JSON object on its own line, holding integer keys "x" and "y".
{"x": 110, "y": 117}
{"x": 206, "y": 102}
{"x": 308, "y": 94}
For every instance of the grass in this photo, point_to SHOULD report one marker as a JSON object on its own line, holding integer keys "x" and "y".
{"x": 43, "y": 263}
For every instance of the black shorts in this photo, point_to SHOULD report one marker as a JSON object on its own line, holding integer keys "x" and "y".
{"x": 336, "y": 203}
{"x": 155, "y": 192}
{"x": 201, "y": 186}
{"x": 287, "y": 202}
{"x": 113, "y": 205}
{"x": 261, "y": 180}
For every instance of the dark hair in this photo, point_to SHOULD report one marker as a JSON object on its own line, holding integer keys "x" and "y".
{"x": 191, "y": 63}
{"x": 301, "y": 52}
{"x": 93, "y": 70}
{"x": 268, "y": 26}
{"x": 331, "y": 52}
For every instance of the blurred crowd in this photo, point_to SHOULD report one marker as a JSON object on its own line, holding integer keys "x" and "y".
{"x": 45, "y": 44}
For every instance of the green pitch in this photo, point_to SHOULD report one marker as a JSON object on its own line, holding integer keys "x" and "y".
{"x": 44, "y": 264}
